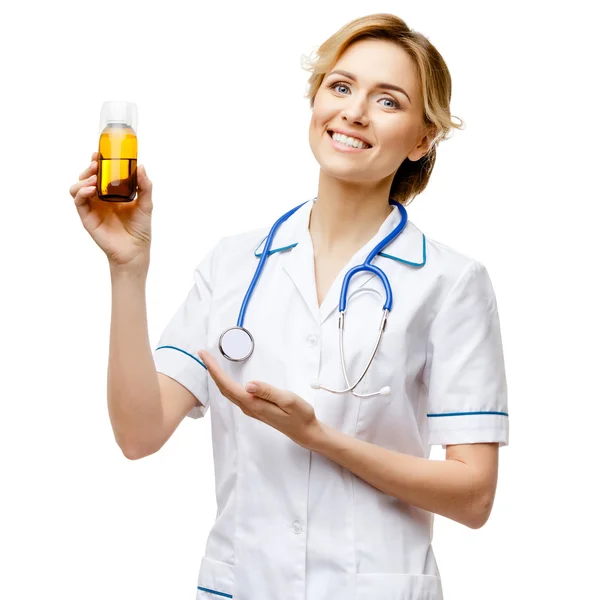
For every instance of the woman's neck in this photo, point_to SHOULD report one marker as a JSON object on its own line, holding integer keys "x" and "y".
{"x": 347, "y": 215}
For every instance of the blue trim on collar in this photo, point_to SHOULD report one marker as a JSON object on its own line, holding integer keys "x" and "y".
{"x": 275, "y": 250}
{"x": 396, "y": 258}
{"x": 407, "y": 262}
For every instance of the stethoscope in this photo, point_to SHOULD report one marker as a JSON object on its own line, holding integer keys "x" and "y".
{"x": 237, "y": 344}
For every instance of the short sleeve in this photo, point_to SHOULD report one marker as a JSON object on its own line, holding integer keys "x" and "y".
{"x": 176, "y": 354}
{"x": 465, "y": 373}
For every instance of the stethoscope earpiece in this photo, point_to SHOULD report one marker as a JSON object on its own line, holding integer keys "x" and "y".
{"x": 386, "y": 390}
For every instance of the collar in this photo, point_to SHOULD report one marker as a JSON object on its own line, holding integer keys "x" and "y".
{"x": 408, "y": 248}
{"x": 293, "y": 241}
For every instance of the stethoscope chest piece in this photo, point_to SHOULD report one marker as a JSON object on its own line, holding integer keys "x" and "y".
{"x": 236, "y": 344}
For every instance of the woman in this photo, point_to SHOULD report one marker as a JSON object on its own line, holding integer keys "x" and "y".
{"x": 325, "y": 495}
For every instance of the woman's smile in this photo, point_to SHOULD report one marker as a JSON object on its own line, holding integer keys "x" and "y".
{"x": 345, "y": 143}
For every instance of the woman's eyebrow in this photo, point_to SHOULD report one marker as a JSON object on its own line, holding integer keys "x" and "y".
{"x": 383, "y": 86}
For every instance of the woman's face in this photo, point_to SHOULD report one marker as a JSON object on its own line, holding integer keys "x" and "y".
{"x": 361, "y": 98}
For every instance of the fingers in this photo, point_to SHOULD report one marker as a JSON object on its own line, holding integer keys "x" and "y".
{"x": 85, "y": 188}
{"x": 144, "y": 184}
{"x": 144, "y": 190}
{"x": 91, "y": 170}
{"x": 281, "y": 398}
{"x": 215, "y": 371}
{"x": 227, "y": 386}
{"x": 84, "y": 193}
{"x": 84, "y": 185}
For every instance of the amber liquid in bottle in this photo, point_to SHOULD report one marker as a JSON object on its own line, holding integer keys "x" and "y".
{"x": 117, "y": 163}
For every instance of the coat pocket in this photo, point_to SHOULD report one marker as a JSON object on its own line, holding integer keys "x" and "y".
{"x": 398, "y": 586}
{"x": 215, "y": 580}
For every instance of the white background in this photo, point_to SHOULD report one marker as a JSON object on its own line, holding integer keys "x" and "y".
{"x": 223, "y": 134}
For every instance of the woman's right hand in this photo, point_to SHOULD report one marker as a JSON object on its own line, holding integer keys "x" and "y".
{"x": 121, "y": 229}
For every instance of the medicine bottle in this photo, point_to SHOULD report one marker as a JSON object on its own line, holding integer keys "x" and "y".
{"x": 117, "y": 152}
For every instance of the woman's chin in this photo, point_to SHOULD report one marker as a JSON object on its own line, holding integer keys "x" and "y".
{"x": 345, "y": 173}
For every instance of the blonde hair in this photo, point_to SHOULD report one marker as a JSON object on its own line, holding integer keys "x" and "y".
{"x": 434, "y": 78}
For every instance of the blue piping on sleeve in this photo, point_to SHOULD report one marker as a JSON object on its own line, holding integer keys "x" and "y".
{"x": 461, "y": 414}
{"x": 214, "y": 592}
{"x": 180, "y": 350}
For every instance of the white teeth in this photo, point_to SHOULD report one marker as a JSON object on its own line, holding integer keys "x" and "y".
{"x": 349, "y": 141}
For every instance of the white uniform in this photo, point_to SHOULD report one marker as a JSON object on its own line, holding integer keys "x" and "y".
{"x": 292, "y": 524}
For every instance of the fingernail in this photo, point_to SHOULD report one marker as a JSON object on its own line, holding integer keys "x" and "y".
{"x": 251, "y": 388}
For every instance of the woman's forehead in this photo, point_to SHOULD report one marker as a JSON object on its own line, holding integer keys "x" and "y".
{"x": 378, "y": 61}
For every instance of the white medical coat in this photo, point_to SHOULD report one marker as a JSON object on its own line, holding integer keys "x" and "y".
{"x": 292, "y": 524}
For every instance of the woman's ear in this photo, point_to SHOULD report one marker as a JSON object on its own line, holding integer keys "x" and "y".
{"x": 423, "y": 145}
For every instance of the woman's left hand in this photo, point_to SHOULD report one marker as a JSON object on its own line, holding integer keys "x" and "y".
{"x": 285, "y": 411}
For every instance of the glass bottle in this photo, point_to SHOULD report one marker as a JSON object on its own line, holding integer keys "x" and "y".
{"x": 117, "y": 152}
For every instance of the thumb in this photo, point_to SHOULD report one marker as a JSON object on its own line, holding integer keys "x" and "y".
{"x": 144, "y": 189}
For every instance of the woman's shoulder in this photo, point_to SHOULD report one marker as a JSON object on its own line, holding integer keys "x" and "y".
{"x": 249, "y": 243}
{"x": 448, "y": 266}
{"x": 448, "y": 255}
{"x": 238, "y": 245}
{"x": 234, "y": 250}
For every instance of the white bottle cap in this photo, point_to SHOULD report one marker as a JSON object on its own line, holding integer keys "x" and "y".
{"x": 116, "y": 111}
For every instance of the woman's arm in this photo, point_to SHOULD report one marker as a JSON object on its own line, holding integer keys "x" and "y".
{"x": 461, "y": 488}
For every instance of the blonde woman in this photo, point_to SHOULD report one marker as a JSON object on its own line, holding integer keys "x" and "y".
{"x": 325, "y": 489}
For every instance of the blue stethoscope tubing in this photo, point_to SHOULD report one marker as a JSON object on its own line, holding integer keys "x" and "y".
{"x": 262, "y": 261}
{"x": 238, "y": 353}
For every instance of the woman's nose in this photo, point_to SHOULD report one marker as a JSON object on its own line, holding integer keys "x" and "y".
{"x": 356, "y": 112}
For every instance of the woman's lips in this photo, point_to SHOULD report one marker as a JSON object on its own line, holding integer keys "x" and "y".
{"x": 344, "y": 147}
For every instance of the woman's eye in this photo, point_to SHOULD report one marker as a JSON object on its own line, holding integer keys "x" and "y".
{"x": 337, "y": 86}
{"x": 394, "y": 104}
{"x": 344, "y": 89}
